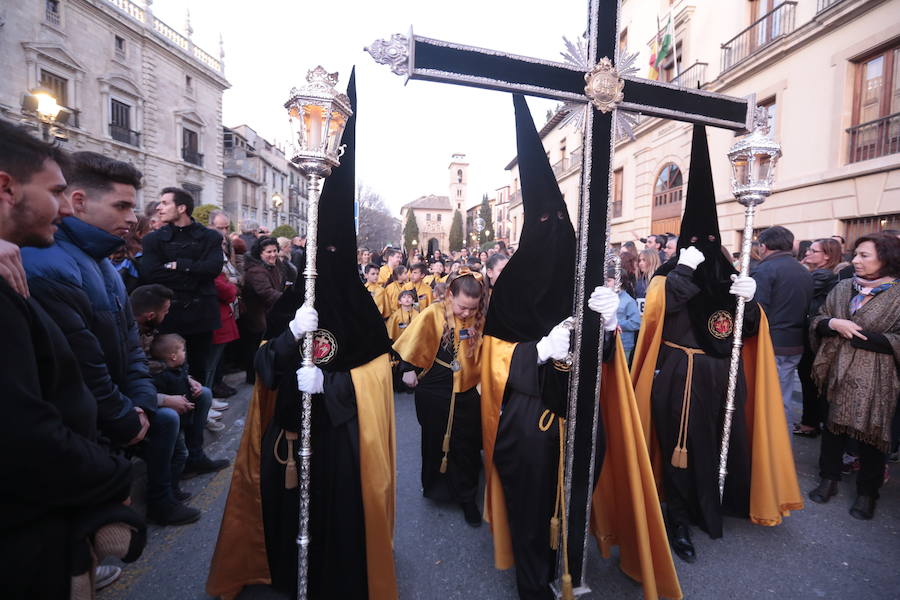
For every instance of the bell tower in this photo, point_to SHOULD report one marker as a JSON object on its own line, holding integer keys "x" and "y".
{"x": 459, "y": 179}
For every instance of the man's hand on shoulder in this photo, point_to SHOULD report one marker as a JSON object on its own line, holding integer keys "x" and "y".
{"x": 11, "y": 268}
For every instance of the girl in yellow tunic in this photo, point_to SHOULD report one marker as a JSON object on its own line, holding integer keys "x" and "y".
{"x": 403, "y": 316}
{"x": 393, "y": 288}
{"x": 440, "y": 358}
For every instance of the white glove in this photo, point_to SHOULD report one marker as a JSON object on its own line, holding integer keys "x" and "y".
{"x": 310, "y": 380}
{"x": 745, "y": 287}
{"x": 556, "y": 343}
{"x": 606, "y": 302}
{"x": 690, "y": 257}
{"x": 410, "y": 379}
{"x": 305, "y": 320}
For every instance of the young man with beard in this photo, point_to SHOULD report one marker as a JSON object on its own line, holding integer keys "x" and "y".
{"x": 59, "y": 485}
{"x": 75, "y": 273}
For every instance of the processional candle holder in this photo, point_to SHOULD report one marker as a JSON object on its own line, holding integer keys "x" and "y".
{"x": 318, "y": 114}
{"x": 753, "y": 161}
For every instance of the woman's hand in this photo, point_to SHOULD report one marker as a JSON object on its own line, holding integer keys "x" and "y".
{"x": 846, "y": 329}
{"x": 410, "y": 379}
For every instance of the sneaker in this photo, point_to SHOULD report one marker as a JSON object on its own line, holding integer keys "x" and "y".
{"x": 219, "y": 405}
{"x": 180, "y": 494}
{"x": 203, "y": 465}
{"x": 214, "y": 414}
{"x": 175, "y": 513}
{"x": 223, "y": 390}
{"x": 105, "y": 575}
{"x": 214, "y": 426}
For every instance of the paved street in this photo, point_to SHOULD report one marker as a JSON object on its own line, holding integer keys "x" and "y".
{"x": 820, "y": 552}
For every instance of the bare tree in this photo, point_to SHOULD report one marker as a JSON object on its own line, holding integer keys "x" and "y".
{"x": 377, "y": 227}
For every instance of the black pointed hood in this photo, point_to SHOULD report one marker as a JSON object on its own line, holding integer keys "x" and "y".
{"x": 534, "y": 290}
{"x": 345, "y": 307}
{"x": 700, "y": 228}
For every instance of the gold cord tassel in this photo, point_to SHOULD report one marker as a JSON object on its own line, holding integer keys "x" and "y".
{"x": 567, "y": 592}
{"x": 679, "y": 458}
{"x": 445, "y": 448}
{"x": 680, "y": 453}
{"x": 554, "y": 533}
{"x": 290, "y": 469}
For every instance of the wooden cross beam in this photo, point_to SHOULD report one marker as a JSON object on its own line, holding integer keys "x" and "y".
{"x": 599, "y": 84}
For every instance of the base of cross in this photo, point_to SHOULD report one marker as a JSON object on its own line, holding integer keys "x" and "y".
{"x": 578, "y": 592}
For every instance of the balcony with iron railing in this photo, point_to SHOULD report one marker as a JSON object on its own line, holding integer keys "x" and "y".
{"x": 693, "y": 77}
{"x": 874, "y": 139}
{"x": 124, "y": 135}
{"x": 567, "y": 164}
{"x": 192, "y": 156}
{"x": 761, "y": 33}
{"x": 826, "y": 4}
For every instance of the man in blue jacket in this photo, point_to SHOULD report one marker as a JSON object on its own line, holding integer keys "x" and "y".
{"x": 784, "y": 289}
{"x": 77, "y": 285}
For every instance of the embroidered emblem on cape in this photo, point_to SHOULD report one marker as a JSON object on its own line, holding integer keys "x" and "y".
{"x": 324, "y": 346}
{"x": 721, "y": 324}
{"x": 464, "y": 334}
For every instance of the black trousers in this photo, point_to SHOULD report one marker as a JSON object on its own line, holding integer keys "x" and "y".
{"x": 198, "y": 349}
{"x": 813, "y": 402}
{"x": 871, "y": 463}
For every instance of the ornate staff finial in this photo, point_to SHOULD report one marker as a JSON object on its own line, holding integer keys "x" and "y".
{"x": 393, "y": 52}
{"x": 188, "y": 30}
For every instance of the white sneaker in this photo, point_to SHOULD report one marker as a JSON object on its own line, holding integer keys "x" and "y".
{"x": 214, "y": 426}
{"x": 214, "y": 414}
{"x": 219, "y": 405}
{"x": 105, "y": 575}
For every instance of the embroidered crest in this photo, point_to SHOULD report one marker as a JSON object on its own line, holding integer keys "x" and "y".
{"x": 324, "y": 346}
{"x": 464, "y": 334}
{"x": 721, "y": 324}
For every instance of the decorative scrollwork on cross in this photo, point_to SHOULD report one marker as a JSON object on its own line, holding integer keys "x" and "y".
{"x": 393, "y": 52}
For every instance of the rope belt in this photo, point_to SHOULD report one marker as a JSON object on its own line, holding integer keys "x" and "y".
{"x": 445, "y": 447}
{"x": 290, "y": 469}
{"x": 679, "y": 454}
{"x": 559, "y": 506}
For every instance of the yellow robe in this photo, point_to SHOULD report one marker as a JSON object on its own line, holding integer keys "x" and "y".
{"x": 431, "y": 280}
{"x": 419, "y": 343}
{"x": 392, "y": 297}
{"x": 774, "y": 491}
{"x": 240, "y": 555}
{"x": 384, "y": 273}
{"x": 423, "y": 293}
{"x": 378, "y": 298}
{"x": 625, "y": 507}
{"x": 399, "y": 321}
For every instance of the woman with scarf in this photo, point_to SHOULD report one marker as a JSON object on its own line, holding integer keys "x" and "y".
{"x": 857, "y": 338}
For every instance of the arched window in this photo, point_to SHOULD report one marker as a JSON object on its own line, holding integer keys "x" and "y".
{"x": 669, "y": 186}
{"x": 459, "y": 175}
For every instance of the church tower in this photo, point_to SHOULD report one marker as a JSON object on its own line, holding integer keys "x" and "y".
{"x": 459, "y": 178}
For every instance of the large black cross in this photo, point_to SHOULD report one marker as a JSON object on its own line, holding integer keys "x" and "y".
{"x": 417, "y": 57}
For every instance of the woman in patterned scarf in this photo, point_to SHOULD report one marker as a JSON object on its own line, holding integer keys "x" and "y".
{"x": 857, "y": 338}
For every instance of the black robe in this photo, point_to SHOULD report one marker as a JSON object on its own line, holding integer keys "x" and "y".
{"x": 337, "y": 551}
{"x": 527, "y": 461}
{"x": 432, "y": 397}
{"x": 692, "y": 494}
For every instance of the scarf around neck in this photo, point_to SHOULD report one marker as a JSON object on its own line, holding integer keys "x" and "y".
{"x": 867, "y": 289}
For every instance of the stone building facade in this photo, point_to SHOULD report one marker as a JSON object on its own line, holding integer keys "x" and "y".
{"x": 828, "y": 72}
{"x": 138, "y": 90}
{"x": 261, "y": 183}
{"x": 434, "y": 214}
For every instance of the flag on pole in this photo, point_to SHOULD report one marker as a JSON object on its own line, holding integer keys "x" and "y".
{"x": 654, "y": 72}
{"x": 662, "y": 47}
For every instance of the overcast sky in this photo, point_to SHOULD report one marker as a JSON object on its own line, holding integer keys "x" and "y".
{"x": 406, "y": 134}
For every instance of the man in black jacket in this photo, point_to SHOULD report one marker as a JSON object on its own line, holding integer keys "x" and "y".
{"x": 784, "y": 290}
{"x": 186, "y": 257}
{"x": 57, "y": 480}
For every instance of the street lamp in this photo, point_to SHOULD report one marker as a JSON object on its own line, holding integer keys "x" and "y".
{"x": 753, "y": 161}
{"x": 318, "y": 114}
{"x": 41, "y": 103}
{"x": 277, "y": 203}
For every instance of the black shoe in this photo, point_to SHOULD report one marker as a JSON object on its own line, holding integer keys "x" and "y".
{"x": 822, "y": 494}
{"x": 863, "y": 508}
{"x": 175, "y": 513}
{"x": 223, "y": 390}
{"x": 203, "y": 465}
{"x": 180, "y": 494}
{"x": 471, "y": 512}
{"x": 681, "y": 543}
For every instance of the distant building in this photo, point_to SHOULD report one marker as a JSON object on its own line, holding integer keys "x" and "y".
{"x": 137, "y": 90}
{"x": 261, "y": 183}
{"x": 828, "y": 73}
{"x": 434, "y": 214}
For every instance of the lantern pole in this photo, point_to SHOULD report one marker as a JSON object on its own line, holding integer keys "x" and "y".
{"x": 751, "y": 187}
{"x": 312, "y": 109}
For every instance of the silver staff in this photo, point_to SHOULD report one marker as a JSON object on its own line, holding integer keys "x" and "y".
{"x": 753, "y": 162}
{"x": 318, "y": 114}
